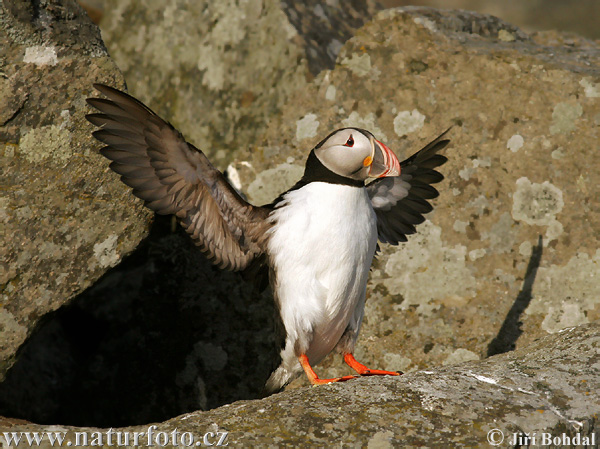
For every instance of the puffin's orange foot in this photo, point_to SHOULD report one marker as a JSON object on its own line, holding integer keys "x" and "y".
{"x": 312, "y": 376}
{"x": 364, "y": 371}
{"x": 319, "y": 381}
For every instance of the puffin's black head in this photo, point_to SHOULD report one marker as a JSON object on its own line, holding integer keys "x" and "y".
{"x": 355, "y": 154}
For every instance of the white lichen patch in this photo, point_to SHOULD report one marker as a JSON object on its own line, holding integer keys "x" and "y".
{"x": 525, "y": 248}
{"x": 334, "y": 47}
{"x": 367, "y": 122}
{"x": 479, "y": 204}
{"x": 508, "y": 279}
{"x": 270, "y": 183}
{"x": 360, "y": 65}
{"x": 65, "y": 115}
{"x": 501, "y": 235}
{"x": 106, "y": 252}
{"x": 229, "y": 28}
{"x": 546, "y": 143}
{"x": 381, "y": 440}
{"x": 460, "y": 226}
{"x": 564, "y": 117}
{"x": 330, "y": 93}
{"x": 558, "y": 153}
{"x": 564, "y": 316}
{"x": 407, "y": 122}
{"x": 466, "y": 172}
{"x": 485, "y": 162}
{"x": 426, "y": 270}
{"x": 40, "y": 55}
{"x": 460, "y": 355}
{"x": 536, "y": 204}
{"x": 427, "y": 23}
{"x": 506, "y": 36}
{"x": 582, "y": 184}
{"x": 590, "y": 89}
{"x": 477, "y": 254}
{"x": 46, "y": 142}
{"x": 553, "y": 231}
{"x": 563, "y": 294}
{"x": 307, "y": 127}
{"x": 211, "y": 63}
{"x": 515, "y": 143}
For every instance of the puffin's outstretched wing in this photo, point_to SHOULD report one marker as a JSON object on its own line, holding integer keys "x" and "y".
{"x": 174, "y": 177}
{"x": 400, "y": 201}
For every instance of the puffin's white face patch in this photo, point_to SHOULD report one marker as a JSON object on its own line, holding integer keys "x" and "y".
{"x": 344, "y": 153}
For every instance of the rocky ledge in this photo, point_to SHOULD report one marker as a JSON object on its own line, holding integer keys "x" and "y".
{"x": 549, "y": 389}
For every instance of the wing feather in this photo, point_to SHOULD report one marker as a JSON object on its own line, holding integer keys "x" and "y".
{"x": 401, "y": 201}
{"x": 174, "y": 177}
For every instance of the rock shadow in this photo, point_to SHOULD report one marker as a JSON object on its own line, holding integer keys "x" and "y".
{"x": 161, "y": 334}
{"x": 510, "y": 331}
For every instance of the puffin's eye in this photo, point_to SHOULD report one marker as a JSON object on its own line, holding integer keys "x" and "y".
{"x": 349, "y": 142}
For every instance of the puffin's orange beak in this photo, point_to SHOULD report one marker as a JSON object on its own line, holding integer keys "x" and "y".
{"x": 385, "y": 162}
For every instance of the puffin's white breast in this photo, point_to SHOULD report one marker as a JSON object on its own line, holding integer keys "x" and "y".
{"x": 321, "y": 247}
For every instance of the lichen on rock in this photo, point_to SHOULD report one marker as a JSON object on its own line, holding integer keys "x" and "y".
{"x": 518, "y": 168}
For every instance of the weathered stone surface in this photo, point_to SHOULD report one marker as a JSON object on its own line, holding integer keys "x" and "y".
{"x": 552, "y": 387}
{"x": 220, "y": 70}
{"x": 567, "y": 17}
{"x": 523, "y": 163}
{"x": 65, "y": 219}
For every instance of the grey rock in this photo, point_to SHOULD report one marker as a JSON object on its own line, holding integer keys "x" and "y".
{"x": 64, "y": 217}
{"x": 575, "y": 17}
{"x": 220, "y": 70}
{"x": 550, "y": 387}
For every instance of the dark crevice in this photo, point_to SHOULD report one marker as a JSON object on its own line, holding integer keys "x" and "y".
{"x": 510, "y": 331}
{"x": 161, "y": 334}
{"x": 36, "y": 10}
{"x": 325, "y": 28}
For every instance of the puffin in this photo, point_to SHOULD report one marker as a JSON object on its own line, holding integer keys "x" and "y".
{"x": 316, "y": 241}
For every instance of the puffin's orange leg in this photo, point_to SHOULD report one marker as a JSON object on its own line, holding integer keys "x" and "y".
{"x": 363, "y": 370}
{"x": 312, "y": 376}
